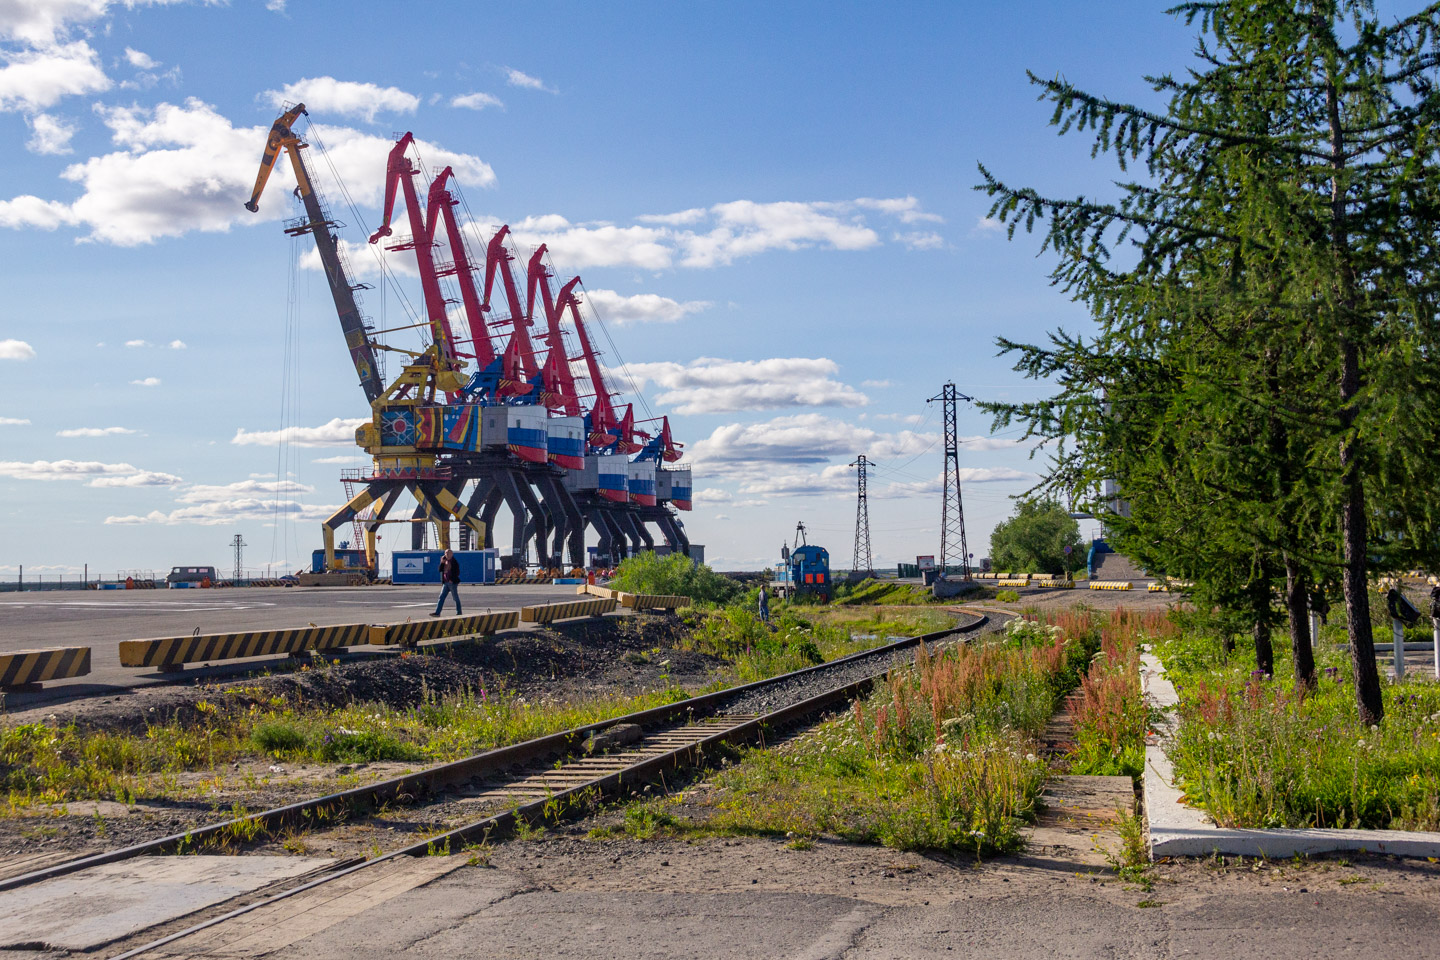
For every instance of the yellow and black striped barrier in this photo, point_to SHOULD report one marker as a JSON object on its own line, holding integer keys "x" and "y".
{"x": 1110, "y": 584}
{"x": 1058, "y": 584}
{"x": 201, "y": 648}
{"x": 1014, "y": 582}
{"x": 412, "y": 632}
{"x": 652, "y": 601}
{"x": 548, "y": 612}
{"x": 24, "y": 667}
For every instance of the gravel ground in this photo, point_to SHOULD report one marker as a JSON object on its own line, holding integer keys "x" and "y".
{"x": 778, "y": 696}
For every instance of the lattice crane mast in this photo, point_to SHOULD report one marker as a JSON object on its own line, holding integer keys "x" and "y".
{"x": 318, "y": 224}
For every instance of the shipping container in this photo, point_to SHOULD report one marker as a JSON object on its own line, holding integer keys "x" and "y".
{"x": 423, "y": 566}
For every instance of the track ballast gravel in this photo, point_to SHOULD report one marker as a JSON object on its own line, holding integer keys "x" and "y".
{"x": 780, "y": 695}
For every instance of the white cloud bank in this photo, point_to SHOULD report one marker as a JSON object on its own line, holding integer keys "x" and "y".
{"x": 98, "y": 474}
{"x": 476, "y": 101}
{"x": 16, "y": 350}
{"x": 704, "y": 237}
{"x": 214, "y": 505}
{"x": 710, "y": 385}
{"x": 621, "y": 310}
{"x": 180, "y": 168}
{"x": 95, "y": 432}
{"x": 49, "y": 135}
{"x": 14, "y": 422}
{"x": 337, "y": 433}
{"x": 738, "y": 449}
{"x": 345, "y": 98}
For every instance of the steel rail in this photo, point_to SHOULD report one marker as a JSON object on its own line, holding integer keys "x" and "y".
{"x": 555, "y": 807}
{"x": 408, "y": 787}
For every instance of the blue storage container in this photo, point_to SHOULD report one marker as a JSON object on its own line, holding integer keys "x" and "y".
{"x": 423, "y": 566}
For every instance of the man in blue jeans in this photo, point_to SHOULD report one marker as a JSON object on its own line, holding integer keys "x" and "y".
{"x": 449, "y": 582}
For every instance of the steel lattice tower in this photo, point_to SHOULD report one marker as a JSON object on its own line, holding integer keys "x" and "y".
{"x": 862, "y": 524}
{"x": 954, "y": 551}
{"x": 237, "y": 543}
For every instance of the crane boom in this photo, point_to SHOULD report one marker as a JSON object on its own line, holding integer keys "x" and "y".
{"x": 400, "y": 170}
{"x": 362, "y": 351}
{"x": 442, "y": 203}
{"x": 559, "y": 381}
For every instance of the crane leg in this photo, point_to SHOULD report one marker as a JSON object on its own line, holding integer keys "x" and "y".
{"x": 344, "y": 515}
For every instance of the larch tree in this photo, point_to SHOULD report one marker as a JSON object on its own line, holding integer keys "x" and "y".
{"x": 1265, "y": 303}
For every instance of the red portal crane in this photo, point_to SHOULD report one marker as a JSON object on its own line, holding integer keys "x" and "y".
{"x": 401, "y": 170}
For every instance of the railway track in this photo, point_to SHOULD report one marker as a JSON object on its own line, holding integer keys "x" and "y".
{"x": 545, "y": 779}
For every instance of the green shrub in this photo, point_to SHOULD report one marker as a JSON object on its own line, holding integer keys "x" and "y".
{"x": 673, "y": 575}
{"x": 278, "y": 737}
{"x": 364, "y": 746}
{"x": 1007, "y": 596}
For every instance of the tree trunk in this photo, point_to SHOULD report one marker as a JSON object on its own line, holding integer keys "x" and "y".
{"x": 1264, "y": 651}
{"x": 1298, "y": 607}
{"x": 1354, "y": 528}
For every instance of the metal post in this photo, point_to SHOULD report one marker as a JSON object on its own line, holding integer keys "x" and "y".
{"x": 1437, "y": 648}
{"x": 1399, "y": 649}
{"x": 86, "y": 582}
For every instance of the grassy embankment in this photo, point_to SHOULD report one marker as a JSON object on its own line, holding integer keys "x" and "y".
{"x": 941, "y": 757}
{"x": 44, "y": 764}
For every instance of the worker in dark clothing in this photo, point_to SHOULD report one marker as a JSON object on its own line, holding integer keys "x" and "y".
{"x": 449, "y": 582}
{"x": 764, "y": 605}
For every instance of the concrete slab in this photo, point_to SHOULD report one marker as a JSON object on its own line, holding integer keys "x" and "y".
{"x": 87, "y": 910}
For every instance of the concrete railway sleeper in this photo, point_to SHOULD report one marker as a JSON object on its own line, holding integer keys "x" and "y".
{"x": 553, "y": 776}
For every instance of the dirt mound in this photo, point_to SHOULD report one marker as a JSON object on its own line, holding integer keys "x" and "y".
{"x": 557, "y": 662}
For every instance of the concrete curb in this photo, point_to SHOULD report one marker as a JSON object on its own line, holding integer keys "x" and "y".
{"x": 1176, "y": 829}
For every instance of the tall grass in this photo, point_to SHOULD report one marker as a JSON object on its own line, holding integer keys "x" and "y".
{"x": 1108, "y": 708}
{"x": 1258, "y": 753}
{"x": 941, "y": 756}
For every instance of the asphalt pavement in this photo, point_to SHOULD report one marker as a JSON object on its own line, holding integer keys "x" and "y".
{"x": 100, "y": 619}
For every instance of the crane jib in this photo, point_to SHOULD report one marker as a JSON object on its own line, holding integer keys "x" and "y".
{"x": 357, "y": 341}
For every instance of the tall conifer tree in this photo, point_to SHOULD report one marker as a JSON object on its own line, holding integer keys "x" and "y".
{"x": 1268, "y": 338}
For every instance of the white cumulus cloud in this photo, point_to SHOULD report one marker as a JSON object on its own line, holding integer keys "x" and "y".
{"x": 95, "y": 432}
{"x": 799, "y": 439}
{"x": 147, "y": 382}
{"x": 476, "y": 101}
{"x": 346, "y": 98}
{"x": 16, "y": 350}
{"x": 518, "y": 79}
{"x": 139, "y": 60}
{"x": 13, "y": 422}
{"x": 710, "y": 385}
{"x": 177, "y": 344}
{"x": 337, "y": 433}
{"x": 36, "y": 78}
{"x": 49, "y": 135}
{"x": 641, "y": 307}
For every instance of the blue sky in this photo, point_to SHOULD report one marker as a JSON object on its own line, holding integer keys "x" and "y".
{"x": 770, "y": 205}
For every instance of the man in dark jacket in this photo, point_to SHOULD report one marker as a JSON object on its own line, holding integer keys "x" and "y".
{"x": 449, "y": 582}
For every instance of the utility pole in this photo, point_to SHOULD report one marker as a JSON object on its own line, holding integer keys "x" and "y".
{"x": 862, "y": 526}
{"x": 237, "y": 543}
{"x": 953, "y": 548}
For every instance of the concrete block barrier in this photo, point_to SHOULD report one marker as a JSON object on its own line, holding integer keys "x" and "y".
{"x": 173, "y": 651}
{"x": 412, "y": 632}
{"x": 1110, "y": 584}
{"x": 1014, "y": 582}
{"x": 25, "y": 667}
{"x": 550, "y": 612}
{"x": 652, "y": 601}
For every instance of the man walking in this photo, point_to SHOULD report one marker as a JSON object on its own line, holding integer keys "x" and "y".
{"x": 764, "y": 605}
{"x": 449, "y": 582}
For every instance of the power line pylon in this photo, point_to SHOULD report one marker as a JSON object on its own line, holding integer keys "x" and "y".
{"x": 238, "y": 544}
{"x": 953, "y": 548}
{"x": 862, "y": 525}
